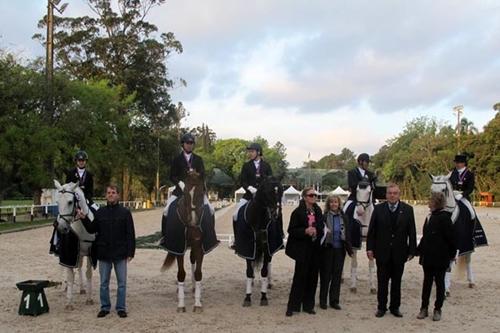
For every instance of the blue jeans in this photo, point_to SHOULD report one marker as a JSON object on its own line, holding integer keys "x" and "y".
{"x": 121, "y": 278}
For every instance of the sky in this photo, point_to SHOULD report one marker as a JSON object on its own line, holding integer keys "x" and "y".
{"x": 316, "y": 75}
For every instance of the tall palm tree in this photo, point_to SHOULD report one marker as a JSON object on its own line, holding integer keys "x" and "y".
{"x": 467, "y": 127}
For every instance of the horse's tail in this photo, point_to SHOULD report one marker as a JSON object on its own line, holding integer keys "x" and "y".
{"x": 168, "y": 262}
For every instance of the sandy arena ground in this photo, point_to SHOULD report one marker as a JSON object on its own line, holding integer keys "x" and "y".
{"x": 151, "y": 295}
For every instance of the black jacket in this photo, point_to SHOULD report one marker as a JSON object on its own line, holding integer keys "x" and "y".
{"x": 300, "y": 246}
{"x": 115, "y": 237}
{"x": 466, "y": 185}
{"x": 180, "y": 168}
{"x": 354, "y": 177}
{"x": 248, "y": 176}
{"x": 347, "y": 242}
{"x": 386, "y": 242}
{"x": 86, "y": 182}
{"x": 437, "y": 245}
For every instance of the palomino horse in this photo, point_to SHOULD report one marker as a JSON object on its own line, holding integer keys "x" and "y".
{"x": 189, "y": 223}
{"x": 72, "y": 241}
{"x": 359, "y": 213}
{"x": 468, "y": 230}
{"x": 258, "y": 234}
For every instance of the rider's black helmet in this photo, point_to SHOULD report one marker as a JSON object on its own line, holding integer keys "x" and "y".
{"x": 255, "y": 146}
{"x": 81, "y": 155}
{"x": 187, "y": 137}
{"x": 364, "y": 157}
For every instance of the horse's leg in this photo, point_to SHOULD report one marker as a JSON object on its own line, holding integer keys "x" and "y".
{"x": 249, "y": 282}
{"x": 371, "y": 275}
{"x": 70, "y": 280}
{"x": 470, "y": 275}
{"x": 198, "y": 254}
{"x": 192, "y": 259}
{"x": 80, "y": 275}
{"x": 264, "y": 273}
{"x": 88, "y": 275}
{"x": 181, "y": 276}
{"x": 447, "y": 279}
{"x": 270, "y": 284}
{"x": 354, "y": 270}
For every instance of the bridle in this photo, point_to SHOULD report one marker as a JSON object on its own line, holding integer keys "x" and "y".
{"x": 445, "y": 191}
{"x": 73, "y": 211}
{"x": 368, "y": 202}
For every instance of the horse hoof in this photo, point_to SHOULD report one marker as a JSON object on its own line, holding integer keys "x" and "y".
{"x": 181, "y": 309}
{"x": 247, "y": 303}
{"x": 197, "y": 309}
{"x": 82, "y": 292}
{"x": 69, "y": 307}
{"x": 472, "y": 285}
{"x": 264, "y": 302}
{"x": 373, "y": 291}
{"x": 447, "y": 293}
{"x": 270, "y": 286}
{"x": 89, "y": 302}
{"x": 353, "y": 290}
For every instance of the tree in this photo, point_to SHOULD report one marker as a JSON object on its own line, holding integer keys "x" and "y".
{"x": 467, "y": 127}
{"x": 120, "y": 46}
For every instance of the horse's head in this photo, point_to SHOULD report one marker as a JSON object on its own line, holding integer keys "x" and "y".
{"x": 443, "y": 185}
{"x": 364, "y": 192}
{"x": 269, "y": 195}
{"x": 191, "y": 203}
{"x": 70, "y": 198}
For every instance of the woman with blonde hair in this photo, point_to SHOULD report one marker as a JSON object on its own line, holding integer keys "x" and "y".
{"x": 335, "y": 243}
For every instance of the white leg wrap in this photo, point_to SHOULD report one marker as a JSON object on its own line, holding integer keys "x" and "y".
{"x": 180, "y": 294}
{"x": 447, "y": 277}
{"x": 88, "y": 275}
{"x": 197, "y": 293}
{"x": 249, "y": 285}
{"x": 470, "y": 275}
{"x": 354, "y": 268}
{"x": 264, "y": 284}
{"x": 70, "y": 280}
{"x": 371, "y": 273}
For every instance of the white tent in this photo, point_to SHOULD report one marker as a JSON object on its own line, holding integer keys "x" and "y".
{"x": 238, "y": 194}
{"x": 291, "y": 196}
{"x": 339, "y": 191}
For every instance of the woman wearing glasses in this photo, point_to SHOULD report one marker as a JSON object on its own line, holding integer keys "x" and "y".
{"x": 304, "y": 234}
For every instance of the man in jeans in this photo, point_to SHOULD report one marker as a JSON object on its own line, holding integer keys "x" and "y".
{"x": 115, "y": 246}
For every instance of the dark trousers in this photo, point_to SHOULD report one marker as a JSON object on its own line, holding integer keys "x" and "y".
{"x": 304, "y": 283}
{"x": 330, "y": 274}
{"x": 430, "y": 275}
{"x": 393, "y": 272}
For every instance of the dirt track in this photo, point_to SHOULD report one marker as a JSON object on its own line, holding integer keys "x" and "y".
{"x": 152, "y": 295}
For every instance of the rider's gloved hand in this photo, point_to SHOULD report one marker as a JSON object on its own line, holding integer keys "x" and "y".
{"x": 252, "y": 189}
{"x": 181, "y": 185}
{"x": 458, "y": 195}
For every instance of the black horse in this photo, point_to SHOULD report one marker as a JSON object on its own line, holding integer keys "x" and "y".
{"x": 258, "y": 233}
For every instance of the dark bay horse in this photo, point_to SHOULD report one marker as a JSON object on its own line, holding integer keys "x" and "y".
{"x": 258, "y": 233}
{"x": 189, "y": 223}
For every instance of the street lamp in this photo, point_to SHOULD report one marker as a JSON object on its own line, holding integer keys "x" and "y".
{"x": 459, "y": 110}
{"x": 49, "y": 65}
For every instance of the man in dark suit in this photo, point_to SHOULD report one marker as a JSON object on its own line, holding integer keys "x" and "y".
{"x": 360, "y": 173}
{"x": 461, "y": 178}
{"x": 391, "y": 240}
{"x": 254, "y": 170}
{"x": 187, "y": 161}
{"x": 81, "y": 176}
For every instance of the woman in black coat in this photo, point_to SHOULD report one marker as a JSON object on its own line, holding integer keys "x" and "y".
{"x": 335, "y": 243}
{"x": 436, "y": 249}
{"x": 304, "y": 234}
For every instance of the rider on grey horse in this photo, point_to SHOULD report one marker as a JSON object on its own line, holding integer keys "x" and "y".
{"x": 360, "y": 173}
{"x": 83, "y": 177}
{"x": 461, "y": 178}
